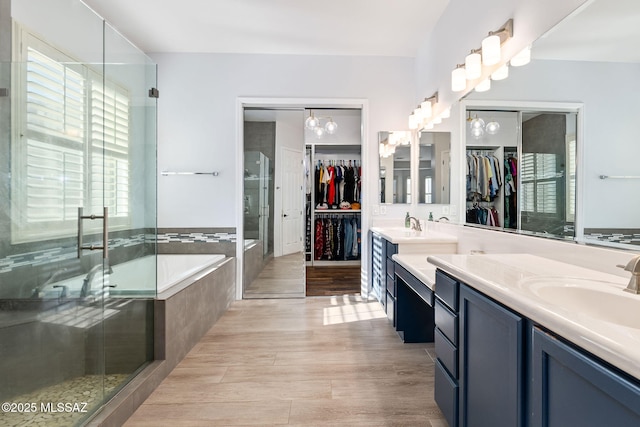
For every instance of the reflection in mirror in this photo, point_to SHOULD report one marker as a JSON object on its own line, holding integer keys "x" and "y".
{"x": 521, "y": 170}
{"x": 591, "y": 57}
{"x": 434, "y": 167}
{"x": 395, "y": 166}
{"x": 273, "y": 267}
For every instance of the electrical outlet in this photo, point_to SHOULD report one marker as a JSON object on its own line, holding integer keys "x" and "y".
{"x": 383, "y": 210}
{"x": 445, "y": 210}
{"x": 376, "y": 210}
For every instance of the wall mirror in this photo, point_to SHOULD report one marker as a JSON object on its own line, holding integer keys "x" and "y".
{"x": 434, "y": 162}
{"x": 590, "y": 58}
{"x": 395, "y": 166}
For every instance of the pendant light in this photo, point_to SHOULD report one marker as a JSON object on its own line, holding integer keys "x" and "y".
{"x": 331, "y": 127}
{"x": 312, "y": 122}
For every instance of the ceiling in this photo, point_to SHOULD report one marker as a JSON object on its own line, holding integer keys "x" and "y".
{"x": 302, "y": 27}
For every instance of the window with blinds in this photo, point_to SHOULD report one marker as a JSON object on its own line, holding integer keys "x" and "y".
{"x": 71, "y": 145}
{"x": 428, "y": 192}
{"x": 539, "y": 181}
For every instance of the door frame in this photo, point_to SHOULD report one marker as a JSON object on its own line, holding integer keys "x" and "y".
{"x": 338, "y": 103}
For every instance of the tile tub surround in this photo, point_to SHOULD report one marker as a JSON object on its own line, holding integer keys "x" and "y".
{"x": 197, "y": 241}
{"x": 507, "y": 279}
{"x": 182, "y": 317}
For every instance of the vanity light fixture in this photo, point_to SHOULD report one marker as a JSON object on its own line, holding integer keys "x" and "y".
{"x": 427, "y": 105}
{"x": 491, "y": 45}
{"x": 501, "y": 73}
{"x": 473, "y": 65}
{"x": 413, "y": 122}
{"x": 484, "y": 85}
{"x": 314, "y": 124}
{"x": 458, "y": 79}
{"x": 446, "y": 113}
{"x": 521, "y": 58}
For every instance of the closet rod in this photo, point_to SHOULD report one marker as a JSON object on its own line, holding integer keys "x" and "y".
{"x": 619, "y": 177}
{"x": 166, "y": 173}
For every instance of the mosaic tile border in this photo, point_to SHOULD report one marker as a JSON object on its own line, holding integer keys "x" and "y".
{"x": 51, "y": 255}
{"x": 628, "y": 239}
{"x": 196, "y": 237}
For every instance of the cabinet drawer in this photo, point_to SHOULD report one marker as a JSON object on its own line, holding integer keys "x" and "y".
{"x": 446, "y": 394}
{"x": 391, "y": 308}
{"x": 392, "y": 249}
{"x": 391, "y": 285}
{"x": 416, "y": 285}
{"x": 447, "y": 353}
{"x": 391, "y": 267}
{"x": 446, "y": 321}
{"x": 447, "y": 289}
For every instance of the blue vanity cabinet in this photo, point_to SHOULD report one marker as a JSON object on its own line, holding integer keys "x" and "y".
{"x": 492, "y": 363}
{"x": 414, "y": 307}
{"x": 390, "y": 281}
{"x": 446, "y": 387}
{"x": 572, "y": 388}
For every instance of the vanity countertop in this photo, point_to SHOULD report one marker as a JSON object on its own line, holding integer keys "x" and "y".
{"x": 419, "y": 267}
{"x": 586, "y": 307}
{"x": 400, "y": 235}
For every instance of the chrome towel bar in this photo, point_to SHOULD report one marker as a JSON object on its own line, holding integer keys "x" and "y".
{"x": 619, "y": 177}
{"x": 166, "y": 173}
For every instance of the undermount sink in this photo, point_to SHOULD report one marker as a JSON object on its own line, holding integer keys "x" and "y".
{"x": 598, "y": 299}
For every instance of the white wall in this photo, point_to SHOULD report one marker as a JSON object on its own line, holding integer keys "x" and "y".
{"x": 197, "y": 113}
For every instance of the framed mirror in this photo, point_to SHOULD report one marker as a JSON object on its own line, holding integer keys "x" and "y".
{"x": 590, "y": 58}
{"x": 395, "y": 167}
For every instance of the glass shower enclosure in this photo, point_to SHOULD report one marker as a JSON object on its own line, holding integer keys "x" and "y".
{"x": 77, "y": 214}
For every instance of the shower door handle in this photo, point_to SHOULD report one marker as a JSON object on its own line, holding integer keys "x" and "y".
{"x": 105, "y": 228}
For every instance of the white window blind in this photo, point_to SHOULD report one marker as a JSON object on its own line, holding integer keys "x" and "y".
{"x": 539, "y": 182}
{"x": 71, "y": 144}
{"x": 428, "y": 192}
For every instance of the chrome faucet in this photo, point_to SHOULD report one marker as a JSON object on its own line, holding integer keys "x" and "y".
{"x": 633, "y": 266}
{"x": 415, "y": 223}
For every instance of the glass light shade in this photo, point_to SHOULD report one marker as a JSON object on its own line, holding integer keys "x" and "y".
{"x": 477, "y": 133}
{"x": 331, "y": 127}
{"x": 418, "y": 113}
{"x": 492, "y": 127}
{"x": 413, "y": 122}
{"x": 458, "y": 80}
{"x": 437, "y": 120}
{"x": 312, "y": 122}
{"x": 491, "y": 54}
{"x": 446, "y": 113}
{"x": 428, "y": 126}
{"x": 473, "y": 66}
{"x": 483, "y": 86}
{"x": 477, "y": 123}
{"x": 521, "y": 58}
{"x": 427, "y": 111}
{"x": 319, "y": 132}
{"x": 501, "y": 73}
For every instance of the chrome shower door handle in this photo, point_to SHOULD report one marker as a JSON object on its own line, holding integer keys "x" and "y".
{"x": 105, "y": 232}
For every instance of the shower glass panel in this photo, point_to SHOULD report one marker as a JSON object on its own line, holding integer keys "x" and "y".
{"x": 77, "y": 169}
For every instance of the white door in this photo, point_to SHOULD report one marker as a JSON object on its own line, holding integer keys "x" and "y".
{"x": 292, "y": 201}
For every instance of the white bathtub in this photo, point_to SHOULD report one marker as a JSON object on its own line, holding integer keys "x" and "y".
{"x": 174, "y": 269}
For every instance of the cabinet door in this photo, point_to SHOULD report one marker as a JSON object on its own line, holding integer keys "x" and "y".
{"x": 378, "y": 268}
{"x": 571, "y": 388}
{"x": 491, "y": 365}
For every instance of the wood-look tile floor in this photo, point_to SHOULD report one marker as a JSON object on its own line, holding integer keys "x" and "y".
{"x": 282, "y": 277}
{"x": 318, "y": 361}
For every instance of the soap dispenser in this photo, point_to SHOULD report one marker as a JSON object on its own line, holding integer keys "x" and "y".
{"x": 407, "y": 221}
{"x": 430, "y": 216}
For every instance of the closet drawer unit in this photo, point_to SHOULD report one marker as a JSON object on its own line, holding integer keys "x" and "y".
{"x": 447, "y": 289}
{"x": 446, "y": 394}
{"x": 446, "y": 352}
{"x": 446, "y": 321}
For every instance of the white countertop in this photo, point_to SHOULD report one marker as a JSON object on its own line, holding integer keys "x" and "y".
{"x": 400, "y": 235}
{"x": 419, "y": 267}
{"x": 511, "y": 279}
